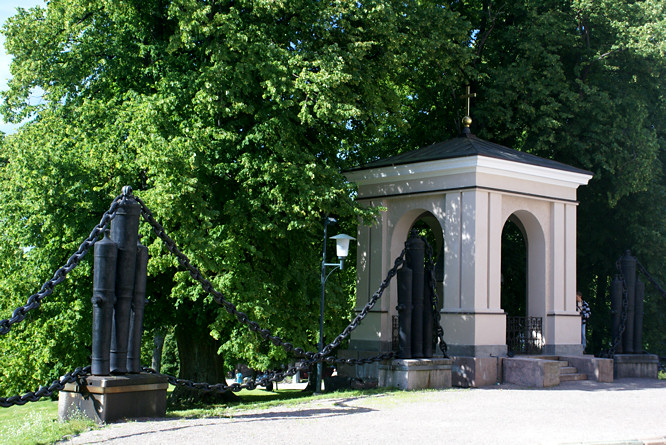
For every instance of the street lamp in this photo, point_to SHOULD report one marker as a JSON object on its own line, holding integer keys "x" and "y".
{"x": 342, "y": 250}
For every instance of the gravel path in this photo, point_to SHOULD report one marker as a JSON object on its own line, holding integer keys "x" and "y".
{"x": 628, "y": 411}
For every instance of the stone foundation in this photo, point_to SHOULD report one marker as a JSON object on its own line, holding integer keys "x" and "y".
{"x": 475, "y": 372}
{"x": 531, "y": 372}
{"x": 434, "y": 373}
{"x": 110, "y": 398}
{"x": 644, "y": 366}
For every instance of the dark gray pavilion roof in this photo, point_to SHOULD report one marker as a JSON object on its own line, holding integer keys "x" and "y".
{"x": 464, "y": 146}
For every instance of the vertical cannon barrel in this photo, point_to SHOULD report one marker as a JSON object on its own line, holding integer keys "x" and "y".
{"x": 628, "y": 265}
{"x": 616, "y": 291}
{"x": 638, "y": 316}
{"x": 416, "y": 261}
{"x": 136, "y": 314}
{"x": 125, "y": 232}
{"x": 104, "y": 297}
{"x": 428, "y": 316}
{"x": 404, "y": 312}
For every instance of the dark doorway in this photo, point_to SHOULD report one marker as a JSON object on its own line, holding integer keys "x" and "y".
{"x": 523, "y": 333}
{"x": 514, "y": 269}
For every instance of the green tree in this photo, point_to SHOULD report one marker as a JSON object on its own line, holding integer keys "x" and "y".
{"x": 232, "y": 120}
{"x": 582, "y": 82}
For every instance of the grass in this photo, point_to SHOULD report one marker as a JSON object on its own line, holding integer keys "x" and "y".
{"x": 37, "y": 423}
{"x": 261, "y": 399}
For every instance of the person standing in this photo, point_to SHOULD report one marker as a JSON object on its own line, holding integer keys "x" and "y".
{"x": 584, "y": 309}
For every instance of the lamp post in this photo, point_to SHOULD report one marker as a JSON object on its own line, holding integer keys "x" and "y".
{"x": 342, "y": 250}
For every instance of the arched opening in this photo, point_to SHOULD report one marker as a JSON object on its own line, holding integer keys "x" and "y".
{"x": 428, "y": 227}
{"x": 514, "y": 268}
{"x": 524, "y": 328}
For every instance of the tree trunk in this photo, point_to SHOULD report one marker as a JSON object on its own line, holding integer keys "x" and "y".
{"x": 199, "y": 362}
{"x": 158, "y": 342}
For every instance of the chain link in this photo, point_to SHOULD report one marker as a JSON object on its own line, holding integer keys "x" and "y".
{"x": 651, "y": 279}
{"x": 44, "y": 391}
{"x": 266, "y": 334}
{"x": 35, "y": 300}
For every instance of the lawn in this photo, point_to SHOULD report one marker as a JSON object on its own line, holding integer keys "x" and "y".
{"x": 38, "y": 423}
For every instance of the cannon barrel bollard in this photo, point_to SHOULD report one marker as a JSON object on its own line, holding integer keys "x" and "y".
{"x": 104, "y": 296}
{"x": 616, "y": 291}
{"x": 404, "y": 312}
{"x": 124, "y": 231}
{"x": 628, "y": 264}
{"x": 415, "y": 258}
{"x": 136, "y": 315}
{"x": 428, "y": 316}
{"x": 638, "y": 316}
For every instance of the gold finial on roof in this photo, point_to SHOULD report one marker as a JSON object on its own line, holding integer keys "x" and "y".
{"x": 467, "y": 120}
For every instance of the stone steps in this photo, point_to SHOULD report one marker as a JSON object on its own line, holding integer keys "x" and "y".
{"x": 569, "y": 373}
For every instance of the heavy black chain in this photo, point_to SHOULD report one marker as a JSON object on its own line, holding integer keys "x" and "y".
{"x": 44, "y": 391}
{"x": 266, "y": 334}
{"x": 251, "y": 384}
{"x": 35, "y": 300}
{"x": 434, "y": 303}
{"x": 623, "y": 315}
{"x": 651, "y": 279}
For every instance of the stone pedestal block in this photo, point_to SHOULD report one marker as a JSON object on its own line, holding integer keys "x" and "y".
{"x": 644, "y": 366}
{"x": 475, "y": 372}
{"x": 531, "y": 372}
{"x": 111, "y": 398}
{"x": 411, "y": 374}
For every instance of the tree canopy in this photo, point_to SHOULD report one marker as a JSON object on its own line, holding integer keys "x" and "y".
{"x": 232, "y": 120}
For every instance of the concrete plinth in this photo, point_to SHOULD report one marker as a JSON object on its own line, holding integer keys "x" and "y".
{"x": 434, "y": 373}
{"x": 644, "y": 366}
{"x": 531, "y": 372}
{"x": 111, "y": 398}
{"x": 475, "y": 372}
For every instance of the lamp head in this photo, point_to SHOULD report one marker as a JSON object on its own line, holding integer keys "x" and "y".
{"x": 342, "y": 244}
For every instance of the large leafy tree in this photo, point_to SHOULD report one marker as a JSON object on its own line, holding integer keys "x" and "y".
{"x": 583, "y": 82}
{"x": 232, "y": 120}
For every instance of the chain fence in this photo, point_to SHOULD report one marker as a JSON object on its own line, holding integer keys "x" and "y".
{"x": 35, "y": 300}
{"x": 309, "y": 357}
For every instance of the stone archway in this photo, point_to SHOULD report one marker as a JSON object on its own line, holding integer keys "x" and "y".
{"x": 525, "y": 326}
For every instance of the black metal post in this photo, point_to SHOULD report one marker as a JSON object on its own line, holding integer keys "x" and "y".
{"x": 638, "y": 316}
{"x": 404, "y": 312}
{"x": 104, "y": 297}
{"x": 136, "y": 314}
{"x": 616, "y": 291}
{"x": 320, "y": 365}
{"x": 415, "y": 256}
{"x": 628, "y": 264}
{"x": 124, "y": 231}
{"x": 428, "y": 316}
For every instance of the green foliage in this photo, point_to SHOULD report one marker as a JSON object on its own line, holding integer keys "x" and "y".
{"x": 232, "y": 121}
{"x": 582, "y": 82}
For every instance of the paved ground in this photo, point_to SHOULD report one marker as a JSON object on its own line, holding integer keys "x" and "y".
{"x": 628, "y": 411}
